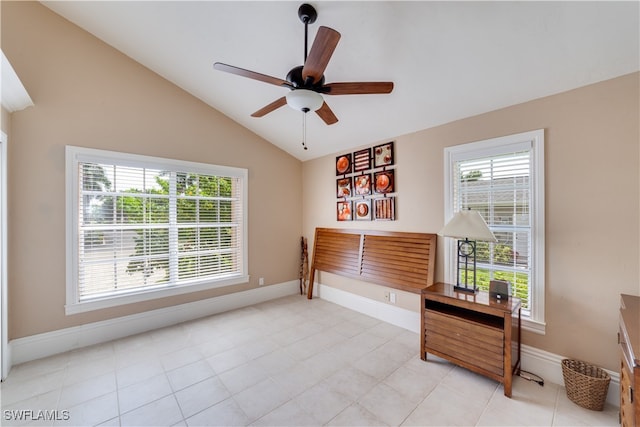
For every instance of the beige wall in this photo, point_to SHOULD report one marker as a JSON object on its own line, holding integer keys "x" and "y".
{"x": 88, "y": 94}
{"x": 592, "y": 206}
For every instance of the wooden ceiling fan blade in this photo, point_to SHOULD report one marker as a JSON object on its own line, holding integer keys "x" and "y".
{"x": 271, "y": 107}
{"x": 326, "y": 114}
{"x": 357, "y": 88}
{"x": 251, "y": 74}
{"x": 323, "y": 46}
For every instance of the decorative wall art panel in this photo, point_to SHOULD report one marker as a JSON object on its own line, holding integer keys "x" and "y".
{"x": 343, "y": 164}
{"x": 366, "y": 184}
{"x": 343, "y": 187}
{"x": 363, "y": 210}
{"x": 383, "y": 155}
{"x": 363, "y": 184}
{"x": 385, "y": 208}
{"x": 344, "y": 210}
{"x": 384, "y": 182}
{"x": 362, "y": 160}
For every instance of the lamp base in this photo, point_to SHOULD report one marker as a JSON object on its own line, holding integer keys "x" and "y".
{"x": 463, "y": 289}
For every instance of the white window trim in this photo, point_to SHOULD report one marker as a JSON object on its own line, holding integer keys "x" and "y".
{"x": 5, "y": 354}
{"x": 74, "y": 155}
{"x": 526, "y": 140}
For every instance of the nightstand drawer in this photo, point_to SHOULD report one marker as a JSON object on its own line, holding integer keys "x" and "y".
{"x": 474, "y": 343}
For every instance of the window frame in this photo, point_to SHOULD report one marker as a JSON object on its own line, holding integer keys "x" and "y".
{"x": 76, "y": 155}
{"x": 533, "y": 141}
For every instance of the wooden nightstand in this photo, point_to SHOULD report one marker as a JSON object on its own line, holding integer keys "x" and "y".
{"x": 473, "y": 331}
{"x": 629, "y": 340}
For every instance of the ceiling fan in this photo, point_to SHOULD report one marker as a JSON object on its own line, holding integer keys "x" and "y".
{"x": 306, "y": 82}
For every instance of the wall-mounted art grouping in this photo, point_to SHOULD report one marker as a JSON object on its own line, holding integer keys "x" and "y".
{"x": 366, "y": 184}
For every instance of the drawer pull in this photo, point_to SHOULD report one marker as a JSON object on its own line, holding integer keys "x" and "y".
{"x": 630, "y": 394}
{"x": 621, "y": 340}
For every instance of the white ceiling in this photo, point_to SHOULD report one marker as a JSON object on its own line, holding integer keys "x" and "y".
{"x": 448, "y": 60}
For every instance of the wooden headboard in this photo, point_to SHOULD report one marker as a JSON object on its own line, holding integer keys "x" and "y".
{"x": 389, "y": 258}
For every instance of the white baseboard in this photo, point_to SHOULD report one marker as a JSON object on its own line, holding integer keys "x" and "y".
{"x": 540, "y": 362}
{"x": 47, "y": 344}
{"x": 6, "y": 360}
{"x": 401, "y": 317}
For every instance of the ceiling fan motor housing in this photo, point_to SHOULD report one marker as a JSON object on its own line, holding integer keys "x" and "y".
{"x": 295, "y": 78}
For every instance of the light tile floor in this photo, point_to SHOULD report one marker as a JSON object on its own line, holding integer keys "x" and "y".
{"x": 290, "y": 362}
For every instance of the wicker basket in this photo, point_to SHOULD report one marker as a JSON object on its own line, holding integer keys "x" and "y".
{"x": 586, "y": 384}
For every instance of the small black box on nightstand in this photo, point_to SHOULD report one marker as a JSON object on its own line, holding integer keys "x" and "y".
{"x": 499, "y": 289}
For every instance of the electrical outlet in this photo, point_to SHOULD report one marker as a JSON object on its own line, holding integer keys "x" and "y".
{"x": 261, "y": 281}
{"x": 392, "y": 297}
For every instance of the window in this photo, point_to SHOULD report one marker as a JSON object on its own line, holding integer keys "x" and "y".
{"x": 141, "y": 227}
{"x": 503, "y": 179}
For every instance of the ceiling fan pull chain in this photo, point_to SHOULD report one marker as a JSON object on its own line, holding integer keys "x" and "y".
{"x": 304, "y": 128}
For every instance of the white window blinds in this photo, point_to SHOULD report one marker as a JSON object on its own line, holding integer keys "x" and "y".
{"x": 503, "y": 179}
{"x": 145, "y": 225}
{"x": 498, "y": 188}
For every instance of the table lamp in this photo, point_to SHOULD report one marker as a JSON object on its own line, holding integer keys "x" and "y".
{"x": 468, "y": 226}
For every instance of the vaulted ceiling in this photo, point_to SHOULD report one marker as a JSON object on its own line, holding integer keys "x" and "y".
{"x": 448, "y": 60}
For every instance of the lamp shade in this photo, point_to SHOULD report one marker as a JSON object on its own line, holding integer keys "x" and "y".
{"x": 304, "y": 100}
{"x": 468, "y": 224}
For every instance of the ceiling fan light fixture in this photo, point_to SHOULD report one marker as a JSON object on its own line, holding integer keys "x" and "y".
{"x": 304, "y": 100}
